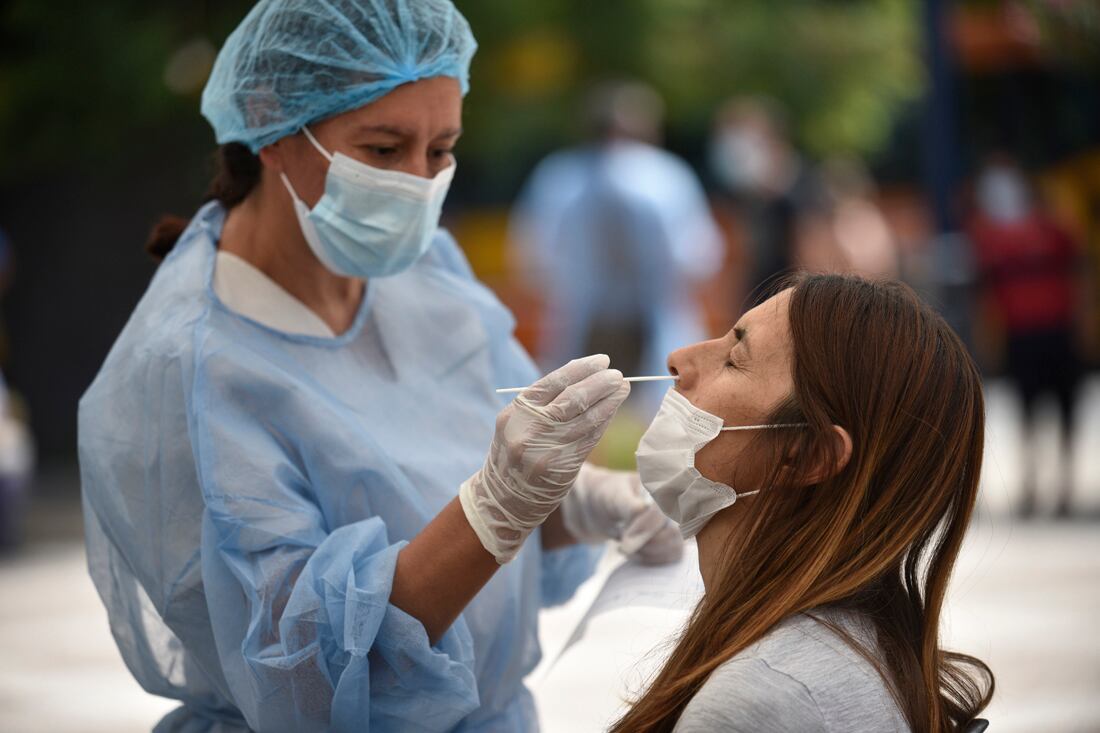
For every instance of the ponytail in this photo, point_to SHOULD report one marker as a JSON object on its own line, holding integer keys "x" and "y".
{"x": 236, "y": 173}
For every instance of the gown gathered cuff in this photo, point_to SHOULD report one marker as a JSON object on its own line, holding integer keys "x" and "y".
{"x": 339, "y": 656}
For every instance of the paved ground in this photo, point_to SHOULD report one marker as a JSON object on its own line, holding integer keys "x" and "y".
{"x": 1026, "y": 599}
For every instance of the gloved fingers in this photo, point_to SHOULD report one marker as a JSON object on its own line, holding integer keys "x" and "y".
{"x": 589, "y": 427}
{"x": 633, "y": 494}
{"x": 550, "y": 386}
{"x": 578, "y": 398}
{"x": 640, "y": 529}
{"x": 620, "y": 493}
{"x": 665, "y": 547}
{"x": 653, "y": 538}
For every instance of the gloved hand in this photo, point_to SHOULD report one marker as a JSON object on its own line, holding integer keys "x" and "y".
{"x": 542, "y": 439}
{"x": 607, "y": 504}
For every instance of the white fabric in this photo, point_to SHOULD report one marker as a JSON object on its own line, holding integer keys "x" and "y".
{"x": 247, "y": 291}
{"x": 601, "y": 647}
{"x": 666, "y": 462}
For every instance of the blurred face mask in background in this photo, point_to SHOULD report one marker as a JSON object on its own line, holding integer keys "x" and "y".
{"x": 740, "y": 159}
{"x": 370, "y": 222}
{"x": 1002, "y": 195}
{"x": 666, "y": 463}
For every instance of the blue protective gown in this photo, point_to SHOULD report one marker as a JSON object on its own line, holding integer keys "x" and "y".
{"x": 247, "y": 491}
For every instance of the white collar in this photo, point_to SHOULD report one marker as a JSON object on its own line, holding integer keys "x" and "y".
{"x": 246, "y": 290}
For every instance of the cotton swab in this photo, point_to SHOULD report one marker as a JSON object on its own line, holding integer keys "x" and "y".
{"x": 509, "y": 390}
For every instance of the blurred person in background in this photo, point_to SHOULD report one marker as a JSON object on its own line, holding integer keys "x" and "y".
{"x": 615, "y": 234}
{"x": 864, "y": 242}
{"x": 17, "y": 461}
{"x": 305, "y": 507}
{"x": 1030, "y": 271}
{"x": 763, "y": 177}
{"x": 17, "y": 451}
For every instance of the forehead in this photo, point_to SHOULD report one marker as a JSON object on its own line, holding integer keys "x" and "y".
{"x": 427, "y": 104}
{"x": 770, "y": 319}
{"x": 767, "y": 333}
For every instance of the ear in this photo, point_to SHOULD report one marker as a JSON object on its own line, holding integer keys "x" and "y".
{"x": 272, "y": 156}
{"x": 841, "y": 450}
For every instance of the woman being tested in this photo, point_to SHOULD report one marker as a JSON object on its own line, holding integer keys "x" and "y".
{"x": 826, "y": 454}
{"x": 306, "y": 508}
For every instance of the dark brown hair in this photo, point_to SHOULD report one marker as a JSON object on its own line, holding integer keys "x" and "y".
{"x": 236, "y": 173}
{"x": 880, "y": 537}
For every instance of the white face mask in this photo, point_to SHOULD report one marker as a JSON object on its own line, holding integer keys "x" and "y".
{"x": 666, "y": 463}
{"x": 1002, "y": 194}
{"x": 370, "y": 222}
{"x": 740, "y": 159}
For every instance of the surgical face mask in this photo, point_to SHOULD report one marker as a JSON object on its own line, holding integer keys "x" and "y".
{"x": 740, "y": 159}
{"x": 370, "y": 222}
{"x": 1003, "y": 195}
{"x": 666, "y": 463}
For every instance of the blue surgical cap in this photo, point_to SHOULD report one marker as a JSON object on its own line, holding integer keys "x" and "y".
{"x": 292, "y": 62}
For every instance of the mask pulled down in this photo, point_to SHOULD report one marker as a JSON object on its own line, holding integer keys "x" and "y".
{"x": 666, "y": 463}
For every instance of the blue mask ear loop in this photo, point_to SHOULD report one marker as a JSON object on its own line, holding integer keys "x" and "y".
{"x": 317, "y": 145}
{"x": 321, "y": 150}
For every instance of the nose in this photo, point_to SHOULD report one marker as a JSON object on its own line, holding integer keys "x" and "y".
{"x": 419, "y": 162}
{"x": 417, "y": 166}
{"x": 680, "y": 366}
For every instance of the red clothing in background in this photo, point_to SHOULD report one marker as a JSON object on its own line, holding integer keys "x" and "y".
{"x": 1031, "y": 267}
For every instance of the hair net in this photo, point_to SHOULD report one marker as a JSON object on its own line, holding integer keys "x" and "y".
{"x": 291, "y": 62}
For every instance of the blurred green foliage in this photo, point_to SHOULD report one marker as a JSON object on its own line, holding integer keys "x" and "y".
{"x": 79, "y": 81}
{"x": 1070, "y": 28}
{"x": 843, "y": 69}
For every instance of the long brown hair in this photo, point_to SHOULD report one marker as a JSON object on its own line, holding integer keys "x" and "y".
{"x": 236, "y": 173}
{"x": 880, "y": 537}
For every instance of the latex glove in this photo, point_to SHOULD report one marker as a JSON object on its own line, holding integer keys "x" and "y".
{"x": 607, "y": 504}
{"x": 542, "y": 439}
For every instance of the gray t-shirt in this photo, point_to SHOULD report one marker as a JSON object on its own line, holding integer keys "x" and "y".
{"x": 801, "y": 677}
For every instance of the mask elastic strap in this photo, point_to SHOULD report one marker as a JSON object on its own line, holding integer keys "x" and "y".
{"x": 290, "y": 189}
{"x": 321, "y": 150}
{"x": 768, "y": 427}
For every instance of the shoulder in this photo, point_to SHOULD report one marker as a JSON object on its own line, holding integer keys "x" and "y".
{"x": 560, "y": 164}
{"x": 642, "y": 156}
{"x": 747, "y": 694}
{"x": 157, "y": 339}
{"x": 808, "y": 677}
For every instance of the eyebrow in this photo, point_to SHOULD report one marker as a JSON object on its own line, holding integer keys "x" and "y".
{"x": 406, "y": 132}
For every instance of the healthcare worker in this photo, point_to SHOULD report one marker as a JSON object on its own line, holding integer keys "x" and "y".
{"x": 306, "y": 507}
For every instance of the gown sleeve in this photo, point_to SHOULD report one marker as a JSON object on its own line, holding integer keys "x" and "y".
{"x": 303, "y": 627}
